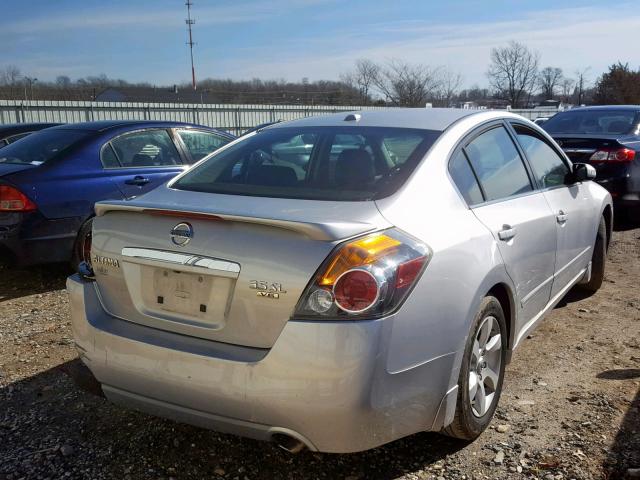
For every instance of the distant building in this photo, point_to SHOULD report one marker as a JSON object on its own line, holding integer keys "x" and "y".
{"x": 471, "y": 106}
{"x": 551, "y": 103}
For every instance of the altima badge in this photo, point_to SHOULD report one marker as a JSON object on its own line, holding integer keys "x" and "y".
{"x": 181, "y": 234}
{"x": 100, "y": 260}
{"x": 266, "y": 289}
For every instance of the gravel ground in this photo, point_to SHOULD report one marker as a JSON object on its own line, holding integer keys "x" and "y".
{"x": 571, "y": 406}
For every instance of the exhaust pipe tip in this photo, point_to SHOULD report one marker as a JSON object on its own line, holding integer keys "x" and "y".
{"x": 288, "y": 443}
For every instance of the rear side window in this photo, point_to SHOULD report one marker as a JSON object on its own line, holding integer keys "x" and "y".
{"x": 604, "y": 122}
{"x": 548, "y": 166}
{"x": 323, "y": 163}
{"x": 498, "y": 165}
{"x": 109, "y": 157}
{"x": 15, "y": 138}
{"x": 200, "y": 144}
{"x": 41, "y": 147}
{"x": 465, "y": 179}
{"x": 148, "y": 148}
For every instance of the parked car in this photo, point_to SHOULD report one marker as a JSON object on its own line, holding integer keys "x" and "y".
{"x": 607, "y": 137}
{"x": 12, "y": 132}
{"x": 372, "y": 293}
{"x": 260, "y": 127}
{"x": 50, "y": 180}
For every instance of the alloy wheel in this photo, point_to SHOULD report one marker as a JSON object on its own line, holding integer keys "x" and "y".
{"x": 484, "y": 368}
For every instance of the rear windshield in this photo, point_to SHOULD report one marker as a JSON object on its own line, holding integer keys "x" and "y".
{"x": 603, "y": 122}
{"x": 40, "y": 147}
{"x": 315, "y": 163}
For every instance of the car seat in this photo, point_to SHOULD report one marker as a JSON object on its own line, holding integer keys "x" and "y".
{"x": 354, "y": 169}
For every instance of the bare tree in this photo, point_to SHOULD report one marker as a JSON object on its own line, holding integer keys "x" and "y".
{"x": 10, "y": 75}
{"x": 513, "y": 72}
{"x": 363, "y": 77}
{"x": 405, "y": 84}
{"x": 449, "y": 85}
{"x": 548, "y": 79}
{"x": 567, "y": 86}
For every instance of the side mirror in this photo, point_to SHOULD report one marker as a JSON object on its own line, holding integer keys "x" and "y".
{"x": 582, "y": 172}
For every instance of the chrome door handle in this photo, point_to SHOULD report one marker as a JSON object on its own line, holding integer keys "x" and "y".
{"x": 507, "y": 233}
{"x": 561, "y": 218}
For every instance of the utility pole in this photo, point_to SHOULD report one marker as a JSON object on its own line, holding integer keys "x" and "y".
{"x": 30, "y": 81}
{"x": 581, "y": 74}
{"x": 190, "y": 23}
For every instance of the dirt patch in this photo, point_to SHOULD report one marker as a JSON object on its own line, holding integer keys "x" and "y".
{"x": 570, "y": 409}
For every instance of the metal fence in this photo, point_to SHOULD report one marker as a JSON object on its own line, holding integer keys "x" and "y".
{"x": 533, "y": 113}
{"x": 233, "y": 118}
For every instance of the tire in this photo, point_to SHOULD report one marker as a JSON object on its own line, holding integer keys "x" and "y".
{"x": 82, "y": 245}
{"x": 472, "y": 416}
{"x": 598, "y": 260}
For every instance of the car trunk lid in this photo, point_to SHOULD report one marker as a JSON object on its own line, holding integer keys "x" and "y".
{"x": 219, "y": 268}
{"x": 9, "y": 168}
{"x": 580, "y": 148}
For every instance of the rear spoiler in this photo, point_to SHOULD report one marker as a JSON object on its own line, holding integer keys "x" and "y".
{"x": 326, "y": 231}
{"x": 622, "y": 139}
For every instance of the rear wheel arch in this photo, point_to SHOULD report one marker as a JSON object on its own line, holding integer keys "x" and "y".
{"x": 77, "y": 256}
{"x": 607, "y": 213}
{"x": 503, "y": 293}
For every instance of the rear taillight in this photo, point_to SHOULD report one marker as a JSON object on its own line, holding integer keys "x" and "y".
{"x": 13, "y": 200}
{"x": 620, "y": 155}
{"x": 365, "y": 278}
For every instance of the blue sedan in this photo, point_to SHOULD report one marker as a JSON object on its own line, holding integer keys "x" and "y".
{"x": 50, "y": 180}
{"x": 13, "y": 132}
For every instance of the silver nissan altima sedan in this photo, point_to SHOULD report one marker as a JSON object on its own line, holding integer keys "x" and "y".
{"x": 339, "y": 282}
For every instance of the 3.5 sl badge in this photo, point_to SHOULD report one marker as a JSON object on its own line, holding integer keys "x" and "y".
{"x": 267, "y": 289}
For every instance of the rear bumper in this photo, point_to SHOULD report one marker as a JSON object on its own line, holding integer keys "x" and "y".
{"x": 622, "y": 181}
{"x": 29, "y": 238}
{"x": 628, "y": 200}
{"x": 324, "y": 383}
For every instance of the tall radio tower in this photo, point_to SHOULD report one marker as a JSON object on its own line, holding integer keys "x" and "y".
{"x": 190, "y": 22}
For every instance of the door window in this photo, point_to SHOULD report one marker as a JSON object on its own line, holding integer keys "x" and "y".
{"x": 15, "y": 138}
{"x": 464, "y": 178}
{"x": 548, "y": 166}
{"x": 200, "y": 144}
{"x": 498, "y": 165}
{"x": 148, "y": 148}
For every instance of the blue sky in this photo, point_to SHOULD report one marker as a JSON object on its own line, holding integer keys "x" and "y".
{"x": 144, "y": 40}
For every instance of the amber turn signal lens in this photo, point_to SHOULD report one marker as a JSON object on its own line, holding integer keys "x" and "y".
{"x": 358, "y": 253}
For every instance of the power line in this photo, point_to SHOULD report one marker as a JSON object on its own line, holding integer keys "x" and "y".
{"x": 190, "y": 23}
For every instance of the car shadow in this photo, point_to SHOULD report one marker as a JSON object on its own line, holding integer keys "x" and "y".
{"x": 23, "y": 281}
{"x": 574, "y": 295}
{"x": 622, "y": 223}
{"x": 624, "y": 453}
{"x": 620, "y": 374}
{"x": 116, "y": 443}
